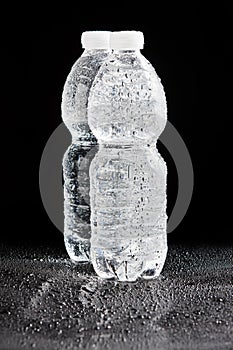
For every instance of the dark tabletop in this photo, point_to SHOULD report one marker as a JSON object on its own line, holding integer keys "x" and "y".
{"x": 46, "y": 302}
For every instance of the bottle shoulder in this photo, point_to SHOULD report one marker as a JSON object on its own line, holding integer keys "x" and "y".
{"x": 77, "y": 86}
{"x": 127, "y": 100}
{"x": 84, "y": 70}
{"x": 130, "y": 76}
{"x": 121, "y": 64}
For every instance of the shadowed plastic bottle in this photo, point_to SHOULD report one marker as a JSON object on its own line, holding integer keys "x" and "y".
{"x": 78, "y": 156}
{"x": 127, "y": 113}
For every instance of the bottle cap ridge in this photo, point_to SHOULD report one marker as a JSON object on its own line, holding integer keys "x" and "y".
{"x": 126, "y": 40}
{"x": 95, "y": 39}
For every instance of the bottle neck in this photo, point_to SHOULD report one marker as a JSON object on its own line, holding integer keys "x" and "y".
{"x": 91, "y": 52}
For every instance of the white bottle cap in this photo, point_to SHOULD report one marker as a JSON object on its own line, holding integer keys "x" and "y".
{"x": 95, "y": 40}
{"x": 126, "y": 40}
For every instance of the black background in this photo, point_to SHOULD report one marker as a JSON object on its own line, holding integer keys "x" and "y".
{"x": 190, "y": 47}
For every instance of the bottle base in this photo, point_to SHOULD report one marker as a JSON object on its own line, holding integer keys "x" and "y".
{"x": 154, "y": 266}
{"x": 78, "y": 249}
{"x": 125, "y": 267}
{"x": 108, "y": 265}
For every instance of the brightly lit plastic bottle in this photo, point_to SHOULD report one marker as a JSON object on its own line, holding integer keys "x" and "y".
{"x": 77, "y": 158}
{"x": 127, "y": 112}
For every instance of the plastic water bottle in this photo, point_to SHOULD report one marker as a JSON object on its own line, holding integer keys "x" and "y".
{"x": 127, "y": 113}
{"x": 78, "y": 156}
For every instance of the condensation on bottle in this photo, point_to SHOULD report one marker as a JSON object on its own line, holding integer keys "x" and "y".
{"x": 127, "y": 112}
{"x": 77, "y": 158}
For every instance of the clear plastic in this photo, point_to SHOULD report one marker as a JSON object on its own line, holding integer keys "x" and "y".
{"x": 76, "y": 161}
{"x": 127, "y": 113}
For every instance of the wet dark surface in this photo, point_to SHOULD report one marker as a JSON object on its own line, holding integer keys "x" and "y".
{"x": 48, "y": 303}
